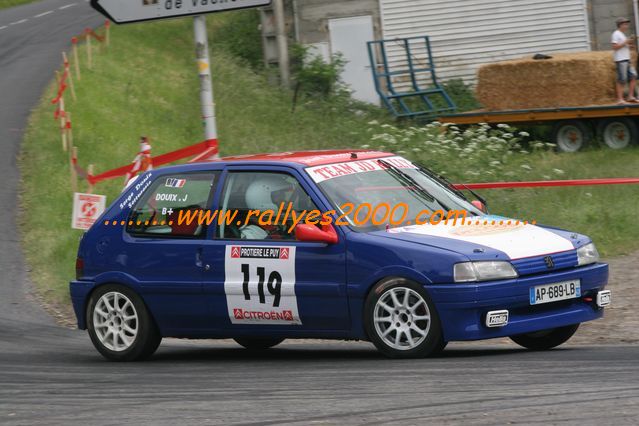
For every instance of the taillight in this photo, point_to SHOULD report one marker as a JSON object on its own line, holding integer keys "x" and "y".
{"x": 79, "y": 268}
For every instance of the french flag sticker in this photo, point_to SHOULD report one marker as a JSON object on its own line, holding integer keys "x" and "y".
{"x": 175, "y": 183}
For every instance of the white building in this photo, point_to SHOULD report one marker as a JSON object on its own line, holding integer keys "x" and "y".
{"x": 464, "y": 33}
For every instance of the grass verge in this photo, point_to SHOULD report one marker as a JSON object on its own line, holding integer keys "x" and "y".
{"x": 146, "y": 84}
{"x": 4, "y": 4}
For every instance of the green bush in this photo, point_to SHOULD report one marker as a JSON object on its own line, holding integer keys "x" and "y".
{"x": 478, "y": 152}
{"x": 238, "y": 33}
{"x": 314, "y": 76}
{"x": 462, "y": 94}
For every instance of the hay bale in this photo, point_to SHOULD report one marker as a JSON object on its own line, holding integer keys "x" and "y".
{"x": 566, "y": 80}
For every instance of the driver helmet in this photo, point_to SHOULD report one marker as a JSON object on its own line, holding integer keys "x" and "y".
{"x": 263, "y": 193}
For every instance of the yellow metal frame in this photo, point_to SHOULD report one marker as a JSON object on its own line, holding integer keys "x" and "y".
{"x": 541, "y": 115}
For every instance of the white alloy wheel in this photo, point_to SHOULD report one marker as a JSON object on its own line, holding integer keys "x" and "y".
{"x": 402, "y": 318}
{"x": 115, "y": 321}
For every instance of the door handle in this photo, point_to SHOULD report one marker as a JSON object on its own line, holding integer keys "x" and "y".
{"x": 198, "y": 260}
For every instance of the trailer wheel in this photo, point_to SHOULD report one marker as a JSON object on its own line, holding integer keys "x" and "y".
{"x": 618, "y": 133}
{"x": 571, "y": 135}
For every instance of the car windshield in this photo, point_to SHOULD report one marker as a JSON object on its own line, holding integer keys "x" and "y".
{"x": 388, "y": 192}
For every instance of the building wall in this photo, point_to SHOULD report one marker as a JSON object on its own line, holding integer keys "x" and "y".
{"x": 465, "y": 34}
{"x": 468, "y": 33}
{"x": 311, "y": 17}
{"x": 603, "y": 14}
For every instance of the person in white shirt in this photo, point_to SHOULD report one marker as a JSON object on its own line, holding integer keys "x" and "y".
{"x": 626, "y": 73}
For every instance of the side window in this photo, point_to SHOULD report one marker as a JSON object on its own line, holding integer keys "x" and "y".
{"x": 171, "y": 206}
{"x": 262, "y": 206}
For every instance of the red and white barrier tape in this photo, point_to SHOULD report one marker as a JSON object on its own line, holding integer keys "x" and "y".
{"x": 200, "y": 151}
{"x": 548, "y": 183}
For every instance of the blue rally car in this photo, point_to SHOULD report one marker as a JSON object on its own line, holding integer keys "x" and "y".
{"x": 336, "y": 251}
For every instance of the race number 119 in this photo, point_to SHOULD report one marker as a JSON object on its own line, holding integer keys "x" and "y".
{"x": 273, "y": 284}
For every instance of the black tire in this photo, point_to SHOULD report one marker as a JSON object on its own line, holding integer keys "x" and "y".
{"x": 440, "y": 348}
{"x": 146, "y": 340}
{"x": 401, "y": 319}
{"x": 258, "y": 343}
{"x": 545, "y": 339}
{"x": 571, "y": 135}
{"x": 618, "y": 133}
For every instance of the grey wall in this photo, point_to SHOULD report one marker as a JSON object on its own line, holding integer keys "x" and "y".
{"x": 313, "y": 16}
{"x": 602, "y": 20}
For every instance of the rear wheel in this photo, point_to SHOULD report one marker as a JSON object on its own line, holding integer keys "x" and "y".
{"x": 401, "y": 320}
{"x": 258, "y": 343}
{"x": 571, "y": 135}
{"x": 120, "y": 326}
{"x": 618, "y": 133}
{"x": 545, "y": 339}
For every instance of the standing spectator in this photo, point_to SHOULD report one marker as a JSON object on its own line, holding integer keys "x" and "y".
{"x": 626, "y": 73}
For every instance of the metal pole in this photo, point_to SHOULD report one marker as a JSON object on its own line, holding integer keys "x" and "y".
{"x": 282, "y": 42}
{"x": 204, "y": 69}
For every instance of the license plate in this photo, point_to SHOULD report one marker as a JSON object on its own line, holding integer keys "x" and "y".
{"x": 555, "y": 292}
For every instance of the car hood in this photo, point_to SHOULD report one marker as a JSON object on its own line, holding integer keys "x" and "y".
{"x": 490, "y": 241}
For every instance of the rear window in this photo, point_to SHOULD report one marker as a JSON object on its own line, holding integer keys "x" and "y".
{"x": 156, "y": 213}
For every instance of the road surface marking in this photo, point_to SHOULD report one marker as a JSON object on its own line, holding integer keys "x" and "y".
{"x": 66, "y": 5}
{"x": 3, "y": 27}
{"x": 44, "y": 13}
{"x": 18, "y": 22}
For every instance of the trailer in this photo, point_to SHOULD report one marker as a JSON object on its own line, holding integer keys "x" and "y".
{"x": 617, "y": 126}
{"x": 409, "y": 88}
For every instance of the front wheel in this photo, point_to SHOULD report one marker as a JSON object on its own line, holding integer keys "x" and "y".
{"x": 120, "y": 326}
{"x": 401, "y": 320}
{"x": 545, "y": 339}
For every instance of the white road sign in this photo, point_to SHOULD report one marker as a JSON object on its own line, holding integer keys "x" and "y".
{"x": 123, "y": 11}
{"x": 86, "y": 209}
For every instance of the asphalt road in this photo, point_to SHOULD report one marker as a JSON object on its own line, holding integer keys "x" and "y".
{"x": 52, "y": 375}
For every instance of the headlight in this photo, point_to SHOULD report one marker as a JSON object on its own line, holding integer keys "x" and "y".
{"x": 483, "y": 271}
{"x": 587, "y": 254}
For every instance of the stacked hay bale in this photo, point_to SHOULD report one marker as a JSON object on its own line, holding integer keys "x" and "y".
{"x": 566, "y": 80}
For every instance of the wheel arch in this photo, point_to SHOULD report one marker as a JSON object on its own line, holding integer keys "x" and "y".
{"x": 120, "y": 279}
{"x": 387, "y": 278}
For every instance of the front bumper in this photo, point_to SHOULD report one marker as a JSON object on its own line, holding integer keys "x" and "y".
{"x": 462, "y": 308}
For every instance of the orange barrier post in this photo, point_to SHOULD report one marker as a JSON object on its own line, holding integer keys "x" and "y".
{"x": 63, "y": 126}
{"x": 90, "y": 175}
{"x": 73, "y": 159}
{"x": 76, "y": 61}
{"x": 107, "y": 38}
{"x": 60, "y": 113}
{"x": 67, "y": 70}
{"x": 87, "y": 35}
{"x": 68, "y": 129}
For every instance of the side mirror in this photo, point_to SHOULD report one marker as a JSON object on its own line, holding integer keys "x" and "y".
{"x": 481, "y": 206}
{"x": 313, "y": 234}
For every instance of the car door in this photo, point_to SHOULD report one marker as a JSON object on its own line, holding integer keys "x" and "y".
{"x": 260, "y": 278}
{"x": 162, "y": 248}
